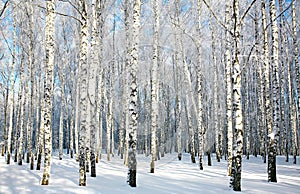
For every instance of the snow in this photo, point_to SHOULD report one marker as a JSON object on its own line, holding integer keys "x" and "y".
{"x": 272, "y": 136}
{"x": 171, "y": 177}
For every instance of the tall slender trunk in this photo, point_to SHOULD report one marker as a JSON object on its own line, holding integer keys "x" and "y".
{"x": 237, "y": 105}
{"x": 22, "y": 123}
{"x": 71, "y": 145}
{"x": 133, "y": 94}
{"x": 108, "y": 113}
{"x": 296, "y": 87}
{"x": 41, "y": 141}
{"x": 215, "y": 104}
{"x": 154, "y": 90}
{"x": 31, "y": 79}
{"x": 77, "y": 117}
{"x": 273, "y": 136}
{"x": 83, "y": 92}
{"x": 126, "y": 82}
{"x": 47, "y": 104}
{"x": 11, "y": 95}
{"x": 4, "y": 145}
{"x": 228, "y": 88}
{"x": 61, "y": 118}
{"x": 92, "y": 83}
{"x": 266, "y": 69}
{"x": 201, "y": 130}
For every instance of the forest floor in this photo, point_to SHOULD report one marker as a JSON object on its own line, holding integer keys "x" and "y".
{"x": 171, "y": 176}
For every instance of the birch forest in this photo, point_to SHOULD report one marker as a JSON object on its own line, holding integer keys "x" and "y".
{"x": 84, "y": 79}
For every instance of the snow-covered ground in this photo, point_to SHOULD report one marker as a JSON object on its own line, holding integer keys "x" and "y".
{"x": 171, "y": 176}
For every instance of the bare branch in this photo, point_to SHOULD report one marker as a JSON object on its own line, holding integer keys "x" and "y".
{"x": 62, "y": 14}
{"x": 76, "y": 8}
{"x": 215, "y": 16}
{"x": 4, "y": 7}
{"x": 246, "y": 12}
{"x": 288, "y": 7}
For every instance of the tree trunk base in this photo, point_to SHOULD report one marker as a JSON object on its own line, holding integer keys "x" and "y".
{"x": 132, "y": 178}
{"x": 38, "y": 166}
{"x": 179, "y": 156}
{"x": 8, "y": 158}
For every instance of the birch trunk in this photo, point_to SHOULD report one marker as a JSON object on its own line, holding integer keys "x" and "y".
{"x": 266, "y": 68}
{"x": 201, "y": 130}
{"x": 83, "y": 93}
{"x": 101, "y": 108}
{"x": 228, "y": 88}
{"x": 47, "y": 104}
{"x": 92, "y": 83}
{"x": 41, "y": 142}
{"x": 31, "y": 79}
{"x": 11, "y": 94}
{"x": 77, "y": 91}
{"x": 296, "y": 88}
{"x": 38, "y": 116}
{"x": 126, "y": 82}
{"x": 273, "y": 136}
{"x": 108, "y": 114}
{"x": 133, "y": 94}
{"x": 237, "y": 105}
{"x": 215, "y": 104}
{"x": 154, "y": 91}
{"x": 61, "y": 117}
{"x": 178, "y": 82}
{"x": 22, "y": 123}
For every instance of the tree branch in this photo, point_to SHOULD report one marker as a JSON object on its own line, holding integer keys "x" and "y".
{"x": 215, "y": 16}
{"x": 246, "y": 12}
{"x": 290, "y": 5}
{"x": 76, "y": 8}
{"x": 4, "y": 7}
{"x": 62, "y": 14}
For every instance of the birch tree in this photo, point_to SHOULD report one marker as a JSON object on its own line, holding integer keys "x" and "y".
{"x": 296, "y": 85}
{"x": 237, "y": 106}
{"x": 266, "y": 69}
{"x": 228, "y": 87}
{"x": 273, "y": 136}
{"x": 92, "y": 81}
{"x": 154, "y": 91}
{"x": 48, "y": 87}
{"x": 11, "y": 94}
{"x": 31, "y": 80}
{"x": 201, "y": 130}
{"x": 83, "y": 92}
{"x": 133, "y": 94}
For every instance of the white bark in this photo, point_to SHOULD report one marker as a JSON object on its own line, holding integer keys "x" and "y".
{"x": 47, "y": 104}
{"x": 22, "y": 123}
{"x": 237, "y": 105}
{"x": 228, "y": 88}
{"x": 275, "y": 95}
{"x": 154, "y": 90}
{"x": 77, "y": 93}
{"x": 92, "y": 83}
{"x": 133, "y": 94}
{"x": 296, "y": 87}
{"x": 83, "y": 92}
{"x": 11, "y": 96}
{"x": 126, "y": 82}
